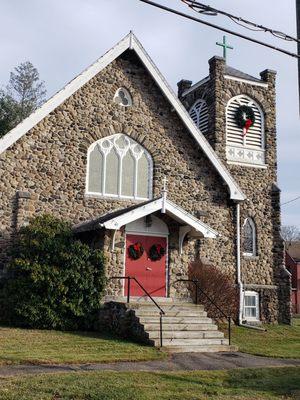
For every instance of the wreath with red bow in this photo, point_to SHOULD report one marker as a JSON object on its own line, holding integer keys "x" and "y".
{"x": 156, "y": 252}
{"x": 136, "y": 251}
{"x": 245, "y": 118}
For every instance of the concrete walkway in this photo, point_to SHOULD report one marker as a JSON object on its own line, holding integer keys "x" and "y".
{"x": 175, "y": 362}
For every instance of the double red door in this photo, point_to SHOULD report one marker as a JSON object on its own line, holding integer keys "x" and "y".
{"x": 151, "y": 274}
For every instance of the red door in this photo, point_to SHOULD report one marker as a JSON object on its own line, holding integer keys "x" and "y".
{"x": 151, "y": 274}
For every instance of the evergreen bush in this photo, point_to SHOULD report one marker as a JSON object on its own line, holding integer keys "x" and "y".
{"x": 54, "y": 281}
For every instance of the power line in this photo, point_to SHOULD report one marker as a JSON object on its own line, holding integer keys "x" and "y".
{"x": 173, "y": 11}
{"x": 291, "y": 201}
{"x": 207, "y": 10}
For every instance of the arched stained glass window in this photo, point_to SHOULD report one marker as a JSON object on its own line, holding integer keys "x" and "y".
{"x": 249, "y": 238}
{"x": 119, "y": 167}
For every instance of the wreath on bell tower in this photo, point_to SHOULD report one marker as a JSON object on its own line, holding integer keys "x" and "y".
{"x": 245, "y": 118}
{"x": 156, "y": 252}
{"x": 136, "y": 250}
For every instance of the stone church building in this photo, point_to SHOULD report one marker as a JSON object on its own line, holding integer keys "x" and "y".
{"x": 157, "y": 180}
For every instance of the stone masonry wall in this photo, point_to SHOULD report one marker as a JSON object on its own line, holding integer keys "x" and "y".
{"x": 49, "y": 163}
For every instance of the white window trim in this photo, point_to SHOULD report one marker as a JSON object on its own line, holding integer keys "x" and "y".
{"x": 254, "y": 238}
{"x": 199, "y": 113}
{"x": 128, "y": 95}
{"x": 231, "y": 147}
{"x": 256, "y": 295}
{"x": 103, "y": 194}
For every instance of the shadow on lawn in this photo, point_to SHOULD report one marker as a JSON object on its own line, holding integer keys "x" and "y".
{"x": 271, "y": 381}
{"x": 106, "y": 336}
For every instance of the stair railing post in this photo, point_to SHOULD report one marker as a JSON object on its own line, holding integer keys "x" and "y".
{"x": 160, "y": 329}
{"x": 128, "y": 289}
{"x": 196, "y": 290}
{"x": 229, "y": 330}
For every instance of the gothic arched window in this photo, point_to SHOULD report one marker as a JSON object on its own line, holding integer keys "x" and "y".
{"x": 119, "y": 167}
{"x": 249, "y": 238}
{"x": 123, "y": 97}
{"x": 199, "y": 114}
{"x": 245, "y": 136}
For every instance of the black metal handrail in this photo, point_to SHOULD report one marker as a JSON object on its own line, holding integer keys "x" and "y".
{"x": 161, "y": 311}
{"x": 197, "y": 287}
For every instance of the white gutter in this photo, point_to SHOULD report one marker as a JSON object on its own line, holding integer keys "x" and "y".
{"x": 238, "y": 262}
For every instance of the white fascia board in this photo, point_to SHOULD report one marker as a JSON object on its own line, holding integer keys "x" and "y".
{"x": 178, "y": 213}
{"x": 235, "y": 192}
{"x": 50, "y": 105}
{"x": 129, "y": 42}
{"x": 234, "y": 78}
{"x": 195, "y": 86}
{"x": 188, "y": 219}
{"x": 130, "y": 216}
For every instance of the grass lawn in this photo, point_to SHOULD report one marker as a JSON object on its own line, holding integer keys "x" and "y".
{"x": 249, "y": 384}
{"x": 19, "y": 346}
{"x": 279, "y": 340}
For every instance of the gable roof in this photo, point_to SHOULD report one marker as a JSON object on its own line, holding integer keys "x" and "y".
{"x": 119, "y": 218}
{"x": 129, "y": 42}
{"x": 239, "y": 74}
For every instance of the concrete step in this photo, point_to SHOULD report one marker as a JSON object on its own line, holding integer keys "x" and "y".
{"x": 191, "y": 342}
{"x": 200, "y": 349}
{"x": 175, "y": 320}
{"x": 186, "y": 334}
{"x": 168, "y": 307}
{"x": 180, "y": 327}
{"x": 175, "y": 313}
{"x": 147, "y": 300}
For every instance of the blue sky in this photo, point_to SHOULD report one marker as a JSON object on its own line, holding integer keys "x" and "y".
{"x": 61, "y": 38}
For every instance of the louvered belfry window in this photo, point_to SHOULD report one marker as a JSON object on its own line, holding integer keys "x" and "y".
{"x": 246, "y": 148}
{"x": 199, "y": 114}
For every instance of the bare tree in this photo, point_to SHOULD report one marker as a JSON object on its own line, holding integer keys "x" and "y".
{"x": 290, "y": 233}
{"x": 26, "y": 89}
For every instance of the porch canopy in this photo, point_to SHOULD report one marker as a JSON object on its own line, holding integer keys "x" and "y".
{"x": 115, "y": 220}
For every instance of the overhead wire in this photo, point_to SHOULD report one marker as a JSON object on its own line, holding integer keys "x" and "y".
{"x": 218, "y": 27}
{"x": 291, "y": 201}
{"x": 208, "y": 10}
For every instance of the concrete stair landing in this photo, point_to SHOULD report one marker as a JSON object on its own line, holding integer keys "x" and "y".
{"x": 186, "y": 327}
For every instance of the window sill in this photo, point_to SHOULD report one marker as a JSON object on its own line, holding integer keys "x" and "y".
{"x": 250, "y": 258}
{"x": 117, "y": 198}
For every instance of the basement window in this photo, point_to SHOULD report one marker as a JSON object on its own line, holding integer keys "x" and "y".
{"x": 251, "y": 306}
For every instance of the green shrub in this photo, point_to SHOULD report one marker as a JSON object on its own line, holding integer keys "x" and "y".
{"x": 55, "y": 281}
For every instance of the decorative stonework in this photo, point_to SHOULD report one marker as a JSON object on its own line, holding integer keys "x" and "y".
{"x": 245, "y": 156}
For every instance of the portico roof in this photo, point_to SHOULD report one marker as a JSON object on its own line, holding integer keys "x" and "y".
{"x": 119, "y": 218}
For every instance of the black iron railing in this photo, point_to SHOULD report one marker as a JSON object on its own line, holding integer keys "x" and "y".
{"x": 161, "y": 311}
{"x": 198, "y": 288}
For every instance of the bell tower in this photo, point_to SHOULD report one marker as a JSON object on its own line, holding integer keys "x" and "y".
{"x": 236, "y": 112}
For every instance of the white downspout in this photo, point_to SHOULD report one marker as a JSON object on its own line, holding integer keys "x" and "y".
{"x": 238, "y": 262}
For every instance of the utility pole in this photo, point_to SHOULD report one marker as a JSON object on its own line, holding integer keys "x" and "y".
{"x": 298, "y": 36}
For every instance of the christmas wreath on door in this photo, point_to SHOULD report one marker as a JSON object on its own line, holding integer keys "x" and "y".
{"x": 156, "y": 252}
{"x": 136, "y": 250}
